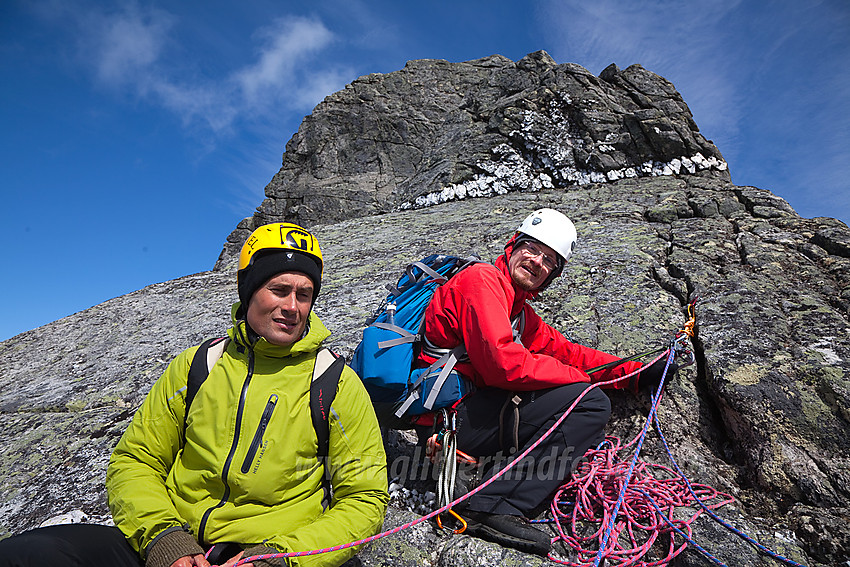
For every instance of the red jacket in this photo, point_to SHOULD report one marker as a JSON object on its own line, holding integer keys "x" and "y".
{"x": 475, "y": 308}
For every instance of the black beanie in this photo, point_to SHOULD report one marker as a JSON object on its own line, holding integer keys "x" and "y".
{"x": 266, "y": 265}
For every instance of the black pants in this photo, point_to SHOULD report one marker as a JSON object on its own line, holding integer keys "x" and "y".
{"x": 69, "y": 545}
{"x": 90, "y": 545}
{"x": 83, "y": 545}
{"x": 525, "y": 489}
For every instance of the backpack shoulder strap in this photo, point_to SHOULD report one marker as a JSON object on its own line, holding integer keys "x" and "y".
{"x": 323, "y": 387}
{"x": 518, "y": 326}
{"x": 205, "y": 358}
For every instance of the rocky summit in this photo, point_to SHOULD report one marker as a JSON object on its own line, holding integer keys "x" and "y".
{"x": 449, "y": 157}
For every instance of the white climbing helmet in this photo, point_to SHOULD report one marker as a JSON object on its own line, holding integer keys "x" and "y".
{"x": 553, "y": 229}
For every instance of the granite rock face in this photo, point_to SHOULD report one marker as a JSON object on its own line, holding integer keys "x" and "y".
{"x": 762, "y": 415}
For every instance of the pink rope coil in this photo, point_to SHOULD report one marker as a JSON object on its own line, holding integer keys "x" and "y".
{"x": 588, "y": 499}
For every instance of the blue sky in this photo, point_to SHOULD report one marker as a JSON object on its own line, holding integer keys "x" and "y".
{"x": 134, "y": 136}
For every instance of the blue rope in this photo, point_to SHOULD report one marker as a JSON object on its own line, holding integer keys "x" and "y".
{"x": 653, "y": 417}
{"x": 713, "y": 515}
{"x": 687, "y": 538}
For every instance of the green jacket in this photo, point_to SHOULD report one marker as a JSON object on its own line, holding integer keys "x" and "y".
{"x": 220, "y": 486}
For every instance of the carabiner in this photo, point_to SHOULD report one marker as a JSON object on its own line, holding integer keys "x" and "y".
{"x": 463, "y": 524}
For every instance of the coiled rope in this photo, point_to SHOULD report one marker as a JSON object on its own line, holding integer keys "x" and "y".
{"x": 610, "y": 491}
{"x": 588, "y": 497}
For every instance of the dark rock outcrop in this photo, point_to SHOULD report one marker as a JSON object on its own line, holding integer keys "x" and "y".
{"x": 438, "y": 131}
{"x": 762, "y": 415}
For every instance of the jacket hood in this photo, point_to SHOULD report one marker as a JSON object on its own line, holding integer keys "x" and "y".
{"x": 242, "y": 334}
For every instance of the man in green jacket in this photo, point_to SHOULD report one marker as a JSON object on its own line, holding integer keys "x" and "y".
{"x": 239, "y": 474}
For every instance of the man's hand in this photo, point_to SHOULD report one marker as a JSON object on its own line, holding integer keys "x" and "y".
{"x": 200, "y": 561}
{"x": 192, "y": 561}
{"x": 650, "y": 377}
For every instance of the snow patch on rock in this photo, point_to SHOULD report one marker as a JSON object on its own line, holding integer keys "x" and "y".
{"x": 517, "y": 174}
{"x": 546, "y": 159}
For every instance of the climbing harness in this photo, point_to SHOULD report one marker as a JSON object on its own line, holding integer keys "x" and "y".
{"x": 603, "y": 473}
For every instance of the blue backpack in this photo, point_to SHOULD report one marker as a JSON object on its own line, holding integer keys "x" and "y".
{"x": 394, "y": 337}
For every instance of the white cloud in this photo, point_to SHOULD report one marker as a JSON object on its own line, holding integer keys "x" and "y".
{"x": 137, "y": 49}
{"x": 126, "y": 45}
{"x": 316, "y": 86}
{"x": 285, "y": 43}
{"x": 207, "y": 104}
{"x": 132, "y": 49}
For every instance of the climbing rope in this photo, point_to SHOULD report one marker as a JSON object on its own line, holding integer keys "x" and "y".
{"x": 603, "y": 548}
{"x": 640, "y": 487}
{"x": 611, "y": 492}
{"x": 710, "y": 511}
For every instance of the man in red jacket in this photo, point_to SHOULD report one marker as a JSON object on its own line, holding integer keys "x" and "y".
{"x": 526, "y": 375}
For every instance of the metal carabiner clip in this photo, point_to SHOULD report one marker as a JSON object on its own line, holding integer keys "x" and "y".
{"x": 463, "y": 524}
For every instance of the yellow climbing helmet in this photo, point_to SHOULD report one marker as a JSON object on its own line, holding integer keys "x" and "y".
{"x": 275, "y": 248}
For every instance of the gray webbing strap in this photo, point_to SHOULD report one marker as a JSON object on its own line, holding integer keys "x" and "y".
{"x": 427, "y": 269}
{"x": 518, "y": 326}
{"x": 414, "y": 395}
{"x": 413, "y": 279}
{"x": 441, "y": 379}
{"x": 445, "y": 365}
{"x": 406, "y": 336}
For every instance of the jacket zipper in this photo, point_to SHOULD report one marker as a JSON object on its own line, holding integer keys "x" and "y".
{"x": 241, "y": 408}
{"x": 258, "y": 436}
